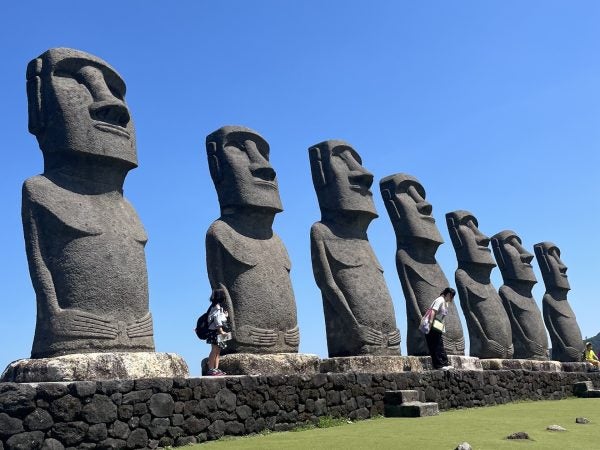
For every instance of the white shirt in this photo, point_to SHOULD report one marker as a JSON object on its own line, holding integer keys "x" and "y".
{"x": 440, "y": 308}
{"x": 216, "y": 317}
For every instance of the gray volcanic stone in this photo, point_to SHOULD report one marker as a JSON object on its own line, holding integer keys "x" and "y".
{"x": 464, "y": 446}
{"x": 565, "y": 335}
{"x": 518, "y": 435}
{"x": 111, "y": 443}
{"x": 85, "y": 242}
{"x": 97, "y": 432}
{"x": 528, "y": 332}
{"x": 30, "y": 440}
{"x": 70, "y": 433}
{"x": 100, "y": 410}
{"x": 278, "y": 363}
{"x": 555, "y": 428}
{"x": 243, "y": 254}
{"x": 226, "y": 400}
{"x": 65, "y": 409}
{"x": 119, "y": 430}
{"x": 39, "y": 419}
{"x": 582, "y": 420}
{"x": 422, "y": 278}
{"x": 52, "y": 444}
{"x": 158, "y": 427}
{"x": 161, "y": 405}
{"x": 359, "y": 313}
{"x": 96, "y": 366}
{"x": 16, "y": 399}
{"x": 487, "y": 321}
{"x": 194, "y": 425}
{"x": 10, "y": 425}
{"x": 137, "y": 439}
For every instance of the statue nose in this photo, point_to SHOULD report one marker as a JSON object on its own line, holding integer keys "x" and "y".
{"x": 264, "y": 172}
{"x": 527, "y": 258}
{"x": 424, "y": 208}
{"x": 110, "y": 111}
{"x": 361, "y": 178}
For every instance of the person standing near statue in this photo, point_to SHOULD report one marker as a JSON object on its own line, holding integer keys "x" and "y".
{"x": 435, "y": 344}
{"x": 217, "y": 326}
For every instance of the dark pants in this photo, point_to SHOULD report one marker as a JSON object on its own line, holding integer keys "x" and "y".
{"x": 436, "y": 349}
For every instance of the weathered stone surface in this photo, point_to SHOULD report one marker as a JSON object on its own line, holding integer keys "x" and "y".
{"x": 464, "y": 446}
{"x": 161, "y": 405}
{"x": 111, "y": 443}
{"x": 411, "y": 409}
{"x": 194, "y": 425}
{"x": 16, "y": 399}
{"x": 119, "y": 430}
{"x": 555, "y": 428}
{"x": 25, "y": 441}
{"x": 581, "y": 388}
{"x": 52, "y": 444}
{"x": 393, "y": 364}
{"x": 243, "y": 255}
{"x": 96, "y": 366}
{"x": 10, "y": 425}
{"x": 66, "y": 408}
{"x": 528, "y": 332}
{"x": 417, "y": 241}
{"x": 359, "y": 312}
{"x": 582, "y": 420}
{"x": 487, "y": 321}
{"x": 523, "y": 364}
{"x": 400, "y": 396}
{"x": 158, "y": 427}
{"x": 100, "y": 410}
{"x": 137, "y": 439}
{"x": 83, "y": 388}
{"x": 85, "y": 242}
{"x": 39, "y": 419}
{"x": 565, "y": 335}
{"x": 278, "y": 363}
{"x": 226, "y": 400}
{"x": 70, "y": 433}
{"x": 97, "y": 432}
{"x": 185, "y": 440}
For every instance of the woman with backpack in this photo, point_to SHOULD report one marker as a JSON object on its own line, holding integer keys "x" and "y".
{"x": 217, "y": 320}
{"x": 438, "y": 312}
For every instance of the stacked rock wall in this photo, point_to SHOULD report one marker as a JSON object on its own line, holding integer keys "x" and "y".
{"x": 163, "y": 411}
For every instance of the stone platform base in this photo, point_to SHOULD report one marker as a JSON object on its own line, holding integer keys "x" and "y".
{"x": 523, "y": 364}
{"x": 576, "y": 367}
{"x": 97, "y": 366}
{"x": 273, "y": 364}
{"x": 393, "y": 364}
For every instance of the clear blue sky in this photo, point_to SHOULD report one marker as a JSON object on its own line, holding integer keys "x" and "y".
{"x": 494, "y": 106}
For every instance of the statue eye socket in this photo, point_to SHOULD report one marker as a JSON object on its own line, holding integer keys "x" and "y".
{"x": 65, "y": 74}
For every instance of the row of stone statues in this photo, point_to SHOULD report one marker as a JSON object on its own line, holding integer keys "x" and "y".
{"x": 85, "y": 242}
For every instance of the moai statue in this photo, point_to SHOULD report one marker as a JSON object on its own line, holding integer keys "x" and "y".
{"x": 528, "y": 332}
{"x": 359, "y": 314}
{"x": 417, "y": 240}
{"x": 85, "y": 242}
{"x": 565, "y": 335}
{"x": 243, "y": 254}
{"x": 487, "y": 322}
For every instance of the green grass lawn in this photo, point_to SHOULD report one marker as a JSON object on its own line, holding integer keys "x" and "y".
{"x": 483, "y": 428}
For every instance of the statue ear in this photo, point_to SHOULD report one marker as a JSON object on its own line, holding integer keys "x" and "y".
{"x": 213, "y": 162}
{"x": 542, "y": 258}
{"x": 497, "y": 247}
{"x": 316, "y": 167}
{"x": 453, "y": 230}
{"x": 389, "y": 203}
{"x": 34, "y": 97}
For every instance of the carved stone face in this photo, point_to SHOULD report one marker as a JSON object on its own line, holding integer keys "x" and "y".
{"x": 239, "y": 165}
{"x": 404, "y": 199}
{"x": 77, "y": 106}
{"x": 512, "y": 258}
{"x": 470, "y": 244}
{"x": 341, "y": 182}
{"x": 554, "y": 271}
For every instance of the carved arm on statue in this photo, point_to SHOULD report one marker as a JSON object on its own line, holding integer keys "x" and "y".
{"x": 370, "y": 335}
{"x": 394, "y": 338}
{"x": 292, "y": 337}
{"x": 248, "y": 334}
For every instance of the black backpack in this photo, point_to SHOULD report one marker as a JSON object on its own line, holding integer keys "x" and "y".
{"x": 202, "y": 325}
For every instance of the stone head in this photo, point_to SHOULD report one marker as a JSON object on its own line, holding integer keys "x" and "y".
{"x": 554, "y": 271}
{"x": 470, "y": 244}
{"x": 513, "y": 260}
{"x": 77, "y": 107}
{"x": 340, "y": 180}
{"x": 238, "y": 160}
{"x": 410, "y": 213}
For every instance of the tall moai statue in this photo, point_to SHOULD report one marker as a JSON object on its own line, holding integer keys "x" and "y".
{"x": 85, "y": 242}
{"x": 359, "y": 314}
{"x": 417, "y": 241}
{"x": 243, "y": 254}
{"x": 565, "y": 335}
{"x": 528, "y": 332}
{"x": 487, "y": 322}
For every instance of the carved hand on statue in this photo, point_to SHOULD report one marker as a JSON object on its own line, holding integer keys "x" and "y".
{"x": 370, "y": 335}
{"x": 79, "y": 323}
{"x": 256, "y": 336}
{"x": 394, "y": 338}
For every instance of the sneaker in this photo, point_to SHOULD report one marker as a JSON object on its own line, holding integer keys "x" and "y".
{"x": 447, "y": 368}
{"x": 214, "y": 372}
{"x": 220, "y": 372}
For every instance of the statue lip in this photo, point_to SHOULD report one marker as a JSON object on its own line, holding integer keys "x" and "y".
{"x": 483, "y": 248}
{"x": 428, "y": 218}
{"x": 361, "y": 189}
{"x": 270, "y": 184}
{"x": 110, "y": 128}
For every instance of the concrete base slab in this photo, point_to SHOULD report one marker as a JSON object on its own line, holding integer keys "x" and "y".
{"x": 522, "y": 364}
{"x": 393, "y": 364}
{"x": 400, "y": 396}
{"x": 412, "y": 409}
{"x": 270, "y": 364}
{"x": 97, "y": 366}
